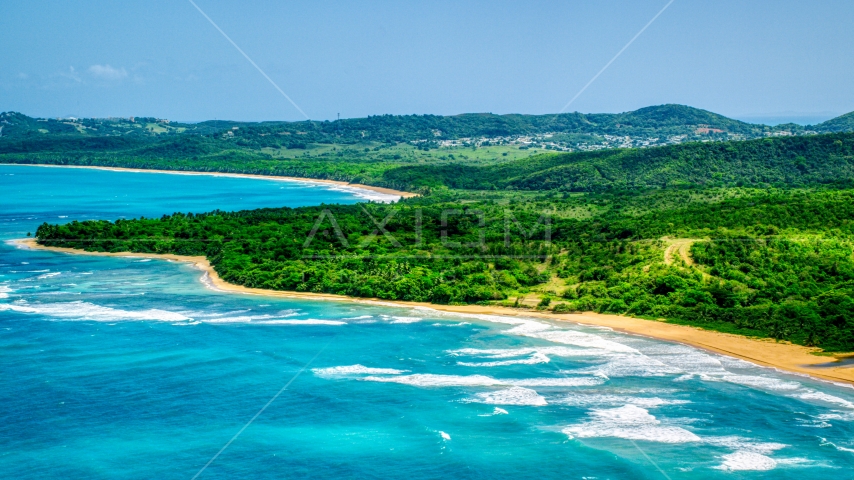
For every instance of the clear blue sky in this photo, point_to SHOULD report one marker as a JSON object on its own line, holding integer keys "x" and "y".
{"x": 162, "y": 58}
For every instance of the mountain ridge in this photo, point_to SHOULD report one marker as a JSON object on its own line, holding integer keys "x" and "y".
{"x": 667, "y": 119}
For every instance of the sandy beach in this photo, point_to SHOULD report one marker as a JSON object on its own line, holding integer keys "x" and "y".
{"x": 358, "y": 186}
{"x": 784, "y": 356}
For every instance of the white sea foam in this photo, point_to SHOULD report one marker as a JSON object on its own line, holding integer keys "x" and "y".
{"x": 279, "y": 318}
{"x": 824, "y": 397}
{"x": 813, "y": 423}
{"x": 444, "y": 435}
{"x": 88, "y": 311}
{"x": 436, "y": 380}
{"x": 580, "y": 339}
{"x": 493, "y": 352}
{"x": 594, "y": 399}
{"x": 623, "y": 365}
{"x": 356, "y": 370}
{"x": 533, "y": 355}
{"x": 308, "y": 321}
{"x": 737, "y": 443}
{"x": 553, "y": 351}
{"x": 5, "y": 291}
{"x": 406, "y": 319}
{"x": 686, "y": 358}
{"x": 732, "y": 362}
{"x": 361, "y": 317}
{"x": 622, "y": 360}
{"x": 510, "y": 396}
{"x": 48, "y": 275}
{"x": 528, "y": 328}
{"x": 801, "y": 462}
{"x": 378, "y": 303}
{"x": 433, "y": 380}
{"x": 499, "y": 411}
{"x": 500, "y": 319}
{"x": 629, "y": 422}
{"x": 559, "y": 382}
{"x": 223, "y": 314}
{"x": 364, "y": 193}
{"x": 761, "y": 382}
{"x": 741, "y": 460}
{"x": 837, "y": 415}
{"x": 826, "y": 442}
{"x": 234, "y": 319}
{"x": 532, "y": 360}
{"x": 536, "y": 329}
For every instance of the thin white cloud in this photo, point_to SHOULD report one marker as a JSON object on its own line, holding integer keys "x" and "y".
{"x": 106, "y": 72}
{"x": 71, "y": 73}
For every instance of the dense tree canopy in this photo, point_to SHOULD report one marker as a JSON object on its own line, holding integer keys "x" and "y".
{"x": 751, "y": 236}
{"x": 773, "y": 263}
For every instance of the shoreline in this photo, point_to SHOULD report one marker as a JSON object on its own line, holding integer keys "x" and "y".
{"x": 766, "y": 352}
{"x": 383, "y": 190}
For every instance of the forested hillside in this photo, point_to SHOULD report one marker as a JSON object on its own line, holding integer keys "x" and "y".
{"x": 656, "y": 124}
{"x": 780, "y": 161}
{"x": 772, "y": 263}
{"x": 749, "y": 236}
{"x": 844, "y": 123}
{"x": 794, "y": 161}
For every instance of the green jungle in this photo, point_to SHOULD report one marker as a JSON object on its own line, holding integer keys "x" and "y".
{"x": 747, "y": 229}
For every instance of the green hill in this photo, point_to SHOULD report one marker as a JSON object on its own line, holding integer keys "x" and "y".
{"x": 774, "y": 260}
{"x": 661, "y": 120}
{"x": 792, "y": 161}
{"x": 17, "y": 126}
{"x": 842, "y": 123}
{"x": 766, "y": 262}
{"x": 674, "y": 117}
{"x": 423, "y": 152}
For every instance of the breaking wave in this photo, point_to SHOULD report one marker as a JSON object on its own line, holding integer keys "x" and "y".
{"x": 89, "y": 311}
{"x": 824, "y": 397}
{"x": 745, "y": 461}
{"x": 510, "y": 396}
{"x": 597, "y": 399}
{"x": 356, "y": 370}
{"x": 80, "y": 310}
{"x": 629, "y": 422}
{"x": 532, "y": 360}
{"x": 436, "y": 380}
{"x": 309, "y": 321}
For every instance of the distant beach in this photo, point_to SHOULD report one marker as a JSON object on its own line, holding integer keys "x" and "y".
{"x": 349, "y": 186}
{"x": 784, "y": 356}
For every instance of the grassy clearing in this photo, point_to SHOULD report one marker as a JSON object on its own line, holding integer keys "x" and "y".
{"x": 404, "y": 153}
{"x": 155, "y": 128}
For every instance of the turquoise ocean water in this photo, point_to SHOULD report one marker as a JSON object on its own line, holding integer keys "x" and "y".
{"x": 133, "y": 368}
